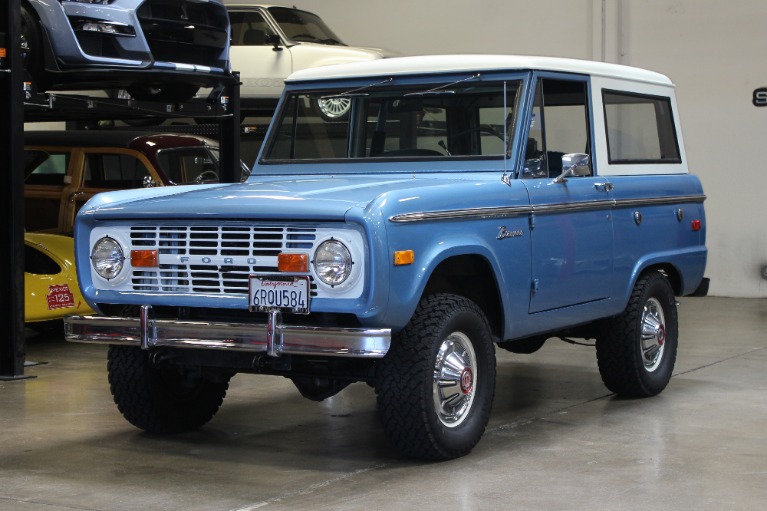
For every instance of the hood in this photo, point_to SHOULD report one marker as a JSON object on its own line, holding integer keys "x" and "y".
{"x": 277, "y": 197}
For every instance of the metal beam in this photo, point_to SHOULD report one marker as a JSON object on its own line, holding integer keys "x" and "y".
{"x": 11, "y": 194}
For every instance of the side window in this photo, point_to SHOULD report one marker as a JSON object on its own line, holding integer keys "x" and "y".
{"x": 249, "y": 29}
{"x": 640, "y": 128}
{"x": 51, "y": 170}
{"x": 559, "y": 125}
{"x": 114, "y": 171}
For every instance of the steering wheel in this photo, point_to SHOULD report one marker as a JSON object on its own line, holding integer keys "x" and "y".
{"x": 206, "y": 175}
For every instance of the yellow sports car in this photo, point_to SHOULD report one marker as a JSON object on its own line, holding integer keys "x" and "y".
{"x": 50, "y": 281}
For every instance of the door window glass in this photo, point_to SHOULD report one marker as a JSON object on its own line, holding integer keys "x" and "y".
{"x": 559, "y": 125}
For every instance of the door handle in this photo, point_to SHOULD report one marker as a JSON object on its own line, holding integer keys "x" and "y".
{"x": 603, "y": 187}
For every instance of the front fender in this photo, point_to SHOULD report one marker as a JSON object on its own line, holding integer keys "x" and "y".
{"x": 434, "y": 243}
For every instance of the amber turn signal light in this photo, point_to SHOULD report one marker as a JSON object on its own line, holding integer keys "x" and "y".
{"x": 144, "y": 259}
{"x": 293, "y": 263}
{"x": 403, "y": 257}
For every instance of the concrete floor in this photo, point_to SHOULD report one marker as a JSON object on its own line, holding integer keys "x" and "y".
{"x": 557, "y": 439}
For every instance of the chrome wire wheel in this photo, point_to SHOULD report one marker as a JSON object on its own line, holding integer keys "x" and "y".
{"x": 653, "y": 336}
{"x": 455, "y": 379}
{"x": 333, "y": 109}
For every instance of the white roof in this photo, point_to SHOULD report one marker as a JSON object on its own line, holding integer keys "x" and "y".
{"x": 451, "y": 63}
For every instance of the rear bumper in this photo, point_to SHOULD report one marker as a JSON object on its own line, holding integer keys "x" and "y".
{"x": 273, "y": 338}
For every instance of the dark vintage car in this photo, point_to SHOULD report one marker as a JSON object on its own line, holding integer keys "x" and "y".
{"x": 156, "y": 49}
{"x": 63, "y": 169}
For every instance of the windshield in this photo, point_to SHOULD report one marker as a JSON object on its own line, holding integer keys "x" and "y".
{"x": 432, "y": 121}
{"x": 303, "y": 26}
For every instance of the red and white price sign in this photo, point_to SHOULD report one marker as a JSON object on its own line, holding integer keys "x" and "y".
{"x": 60, "y": 297}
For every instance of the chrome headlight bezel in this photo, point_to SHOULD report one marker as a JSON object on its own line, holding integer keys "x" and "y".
{"x": 107, "y": 258}
{"x": 332, "y": 262}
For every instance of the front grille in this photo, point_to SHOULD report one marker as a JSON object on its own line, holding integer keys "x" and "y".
{"x": 185, "y": 32}
{"x": 213, "y": 259}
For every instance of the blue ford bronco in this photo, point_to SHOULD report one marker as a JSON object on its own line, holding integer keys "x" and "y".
{"x": 460, "y": 203}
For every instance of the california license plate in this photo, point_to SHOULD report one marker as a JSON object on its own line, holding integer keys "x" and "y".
{"x": 288, "y": 294}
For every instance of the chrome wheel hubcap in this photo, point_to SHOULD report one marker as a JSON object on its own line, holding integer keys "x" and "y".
{"x": 334, "y": 108}
{"x": 653, "y": 340}
{"x": 455, "y": 379}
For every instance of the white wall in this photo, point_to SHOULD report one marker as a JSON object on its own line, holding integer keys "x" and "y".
{"x": 709, "y": 48}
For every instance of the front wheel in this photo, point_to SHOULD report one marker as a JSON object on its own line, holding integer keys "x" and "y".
{"x": 32, "y": 49}
{"x": 162, "y": 400}
{"x": 436, "y": 385}
{"x": 636, "y": 350}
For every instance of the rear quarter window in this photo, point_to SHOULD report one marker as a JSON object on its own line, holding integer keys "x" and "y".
{"x": 640, "y": 128}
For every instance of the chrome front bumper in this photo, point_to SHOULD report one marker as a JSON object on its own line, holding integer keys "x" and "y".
{"x": 273, "y": 338}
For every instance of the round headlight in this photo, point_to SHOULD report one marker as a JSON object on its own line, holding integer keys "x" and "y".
{"x": 107, "y": 258}
{"x": 332, "y": 262}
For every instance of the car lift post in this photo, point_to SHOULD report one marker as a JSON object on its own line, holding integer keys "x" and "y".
{"x": 11, "y": 193}
{"x": 229, "y": 134}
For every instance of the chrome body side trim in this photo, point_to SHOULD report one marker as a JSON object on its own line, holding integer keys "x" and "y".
{"x": 659, "y": 201}
{"x": 456, "y": 214}
{"x": 507, "y": 212}
{"x": 150, "y": 333}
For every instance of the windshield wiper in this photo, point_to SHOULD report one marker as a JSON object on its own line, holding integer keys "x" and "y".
{"x": 441, "y": 88}
{"x": 356, "y": 92}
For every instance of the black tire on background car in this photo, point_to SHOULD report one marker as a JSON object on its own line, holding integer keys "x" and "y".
{"x": 161, "y": 400}
{"x": 636, "y": 350}
{"x": 173, "y": 92}
{"x": 32, "y": 49}
{"x": 436, "y": 384}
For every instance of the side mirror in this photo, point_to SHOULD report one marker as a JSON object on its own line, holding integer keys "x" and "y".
{"x": 574, "y": 165}
{"x": 274, "y": 40}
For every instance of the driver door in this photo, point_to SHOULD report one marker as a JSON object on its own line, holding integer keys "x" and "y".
{"x": 571, "y": 224}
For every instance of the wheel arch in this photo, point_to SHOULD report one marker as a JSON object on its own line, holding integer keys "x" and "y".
{"x": 45, "y": 16}
{"x": 471, "y": 276}
{"x": 671, "y": 272}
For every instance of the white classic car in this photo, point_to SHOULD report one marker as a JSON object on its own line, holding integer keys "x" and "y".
{"x": 271, "y": 42}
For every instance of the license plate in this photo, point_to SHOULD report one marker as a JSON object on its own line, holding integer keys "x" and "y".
{"x": 289, "y": 294}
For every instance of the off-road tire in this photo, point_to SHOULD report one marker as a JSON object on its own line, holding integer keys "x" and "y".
{"x": 160, "y": 400}
{"x": 629, "y": 365}
{"x": 413, "y": 420}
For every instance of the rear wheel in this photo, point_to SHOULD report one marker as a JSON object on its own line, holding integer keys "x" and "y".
{"x": 436, "y": 385}
{"x": 636, "y": 350}
{"x": 162, "y": 400}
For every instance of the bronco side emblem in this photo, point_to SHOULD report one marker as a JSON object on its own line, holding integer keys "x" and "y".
{"x": 504, "y": 233}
